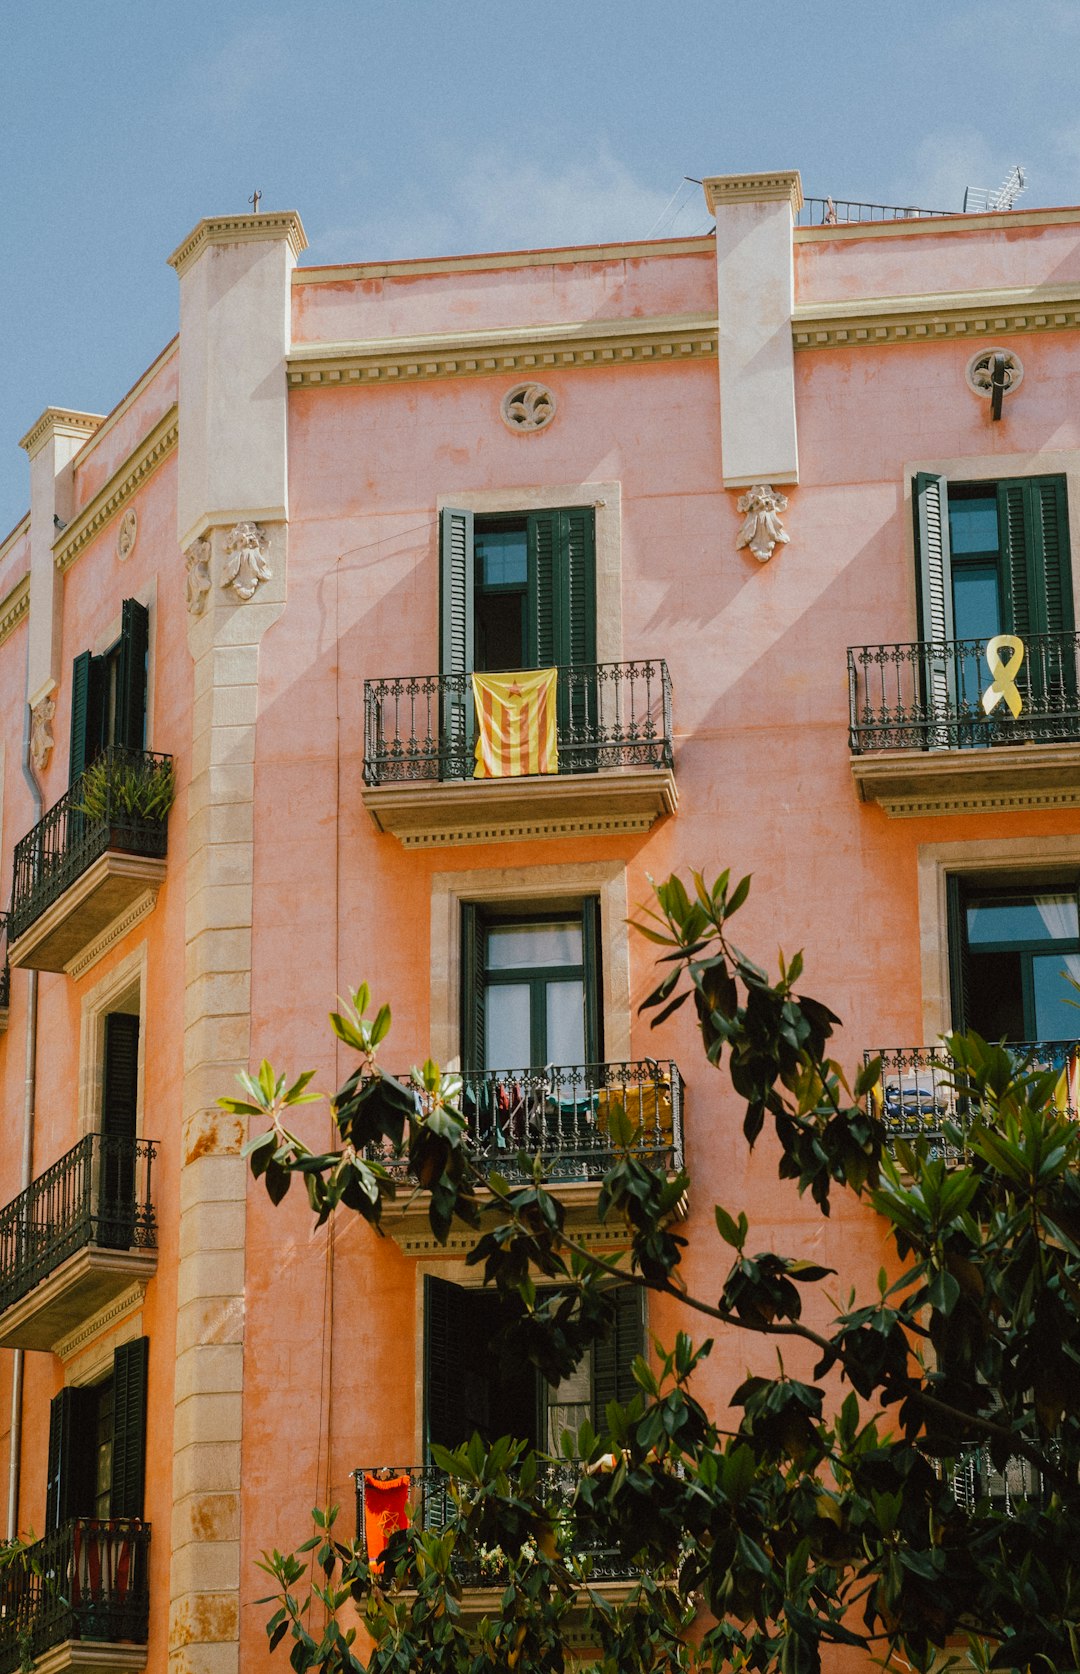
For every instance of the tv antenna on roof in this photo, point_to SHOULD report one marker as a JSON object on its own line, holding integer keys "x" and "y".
{"x": 979, "y": 198}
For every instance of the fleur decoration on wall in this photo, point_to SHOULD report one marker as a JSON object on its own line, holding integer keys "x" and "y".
{"x": 762, "y": 530}
{"x": 197, "y": 580}
{"x": 528, "y": 407}
{"x": 127, "y": 534}
{"x": 245, "y": 560}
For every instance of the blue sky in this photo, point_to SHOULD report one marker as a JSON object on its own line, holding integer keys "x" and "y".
{"x": 412, "y": 127}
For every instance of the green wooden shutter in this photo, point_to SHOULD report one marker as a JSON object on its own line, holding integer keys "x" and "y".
{"x": 130, "y": 723}
{"x": 87, "y": 712}
{"x": 933, "y": 568}
{"x": 959, "y": 969}
{"x": 130, "y": 1364}
{"x": 578, "y": 586}
{"x": 542, "y": 644}
{"x": 69, "y": 1490}
{"x": 612, "y": 1378}
{"x": 472, "y": 988}
{"x": 594, "y": 1011}
{"x": 119, "y": 1104}
{"x": 456, "y": 642}
{"x": 447, "y": 1344}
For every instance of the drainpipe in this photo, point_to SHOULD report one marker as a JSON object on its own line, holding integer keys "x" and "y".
{"x": 27, "y": 1175}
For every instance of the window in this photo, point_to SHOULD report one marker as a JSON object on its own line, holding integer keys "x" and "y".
{"x": 97, "y": 1443}
{"x": 530, "y": 987}
{"x": 1013, "y": 948}
{"x": 119, "y": 1108}
{"x": 108, "y": 693}
{"x": 993, "y": 558}
{"x": 467, "y": 1387}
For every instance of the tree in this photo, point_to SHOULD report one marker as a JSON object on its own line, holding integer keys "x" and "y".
{"x": 802, "y": 1522}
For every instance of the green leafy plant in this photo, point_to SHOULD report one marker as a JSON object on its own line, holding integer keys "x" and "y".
{"x": 118, "y": 786}
{"x": 802, "y": 1517}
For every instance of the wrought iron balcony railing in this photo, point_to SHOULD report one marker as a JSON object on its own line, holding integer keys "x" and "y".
{"x": 562, "y": 1114}
{"x": 610, "y": 715}
{"x": 928, "y": 696}
{"x": 88, "y": 1580}
{"x": 97, "y": 1193}
{"x": 830, "y": 212}
{"x": 5, "y": 973}
{"x": 397, "y": 1497}
{"x": 120, "y": 802}
{"x": 915, "y": 1096}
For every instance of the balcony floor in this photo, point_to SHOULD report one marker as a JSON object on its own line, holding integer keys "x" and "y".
{"x": 106, "y": 891}
{"x": 431, "y": 813}
{"x": 71, "y": 1293}
{"x": 91, "y": 1656}
{"x": 1002, "y": 778}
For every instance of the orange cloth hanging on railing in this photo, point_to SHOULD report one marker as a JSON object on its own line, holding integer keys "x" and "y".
{"x": 515, "y": 723}
{"x": 385, "y": 1511}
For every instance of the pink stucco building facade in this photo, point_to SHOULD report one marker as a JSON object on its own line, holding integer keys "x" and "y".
{"x": 755, "y": 498}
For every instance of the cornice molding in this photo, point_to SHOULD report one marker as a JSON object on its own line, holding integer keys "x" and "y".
{"x": 237, "y": 229}
{"x": 129, "y": 1302}
{"x": 116, "y": 932}
{"x": 127, "y": 401}
{"x": 561, "y": 256}
{"x": 21, "y": 528}
{"x": 118, "y": 490}
{"x": 58, "y": 421}
{"x": 14, "y": 607}
{"x": 930, "y": 318}
{"x": 676, "y": 337}
{"x": 783, "y": 186}
{"x": 911, "y": 784}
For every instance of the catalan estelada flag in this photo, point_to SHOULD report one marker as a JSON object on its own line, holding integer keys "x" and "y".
{"x": 515, "y": 723}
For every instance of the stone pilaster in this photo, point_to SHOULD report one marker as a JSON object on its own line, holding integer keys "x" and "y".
{"x": 232, "y": 525}
{"x": 51, "y": 445}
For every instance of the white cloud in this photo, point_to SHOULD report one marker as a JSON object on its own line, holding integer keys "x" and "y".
{"x": 494, "y": 201}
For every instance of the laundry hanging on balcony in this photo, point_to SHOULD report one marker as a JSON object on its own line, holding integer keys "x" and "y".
{"x": 515, "y": 723}
{"x": 386, "y": 1501}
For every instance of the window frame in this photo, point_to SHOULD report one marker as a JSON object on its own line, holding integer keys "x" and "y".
{"x": 477, "y": 918}
{"x": 960, "y": 887}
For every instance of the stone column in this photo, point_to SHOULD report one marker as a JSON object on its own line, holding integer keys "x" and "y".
{"x": 51, "y": 444}
{"x": 755, "y": 299}
{"x": 232, "y": 515}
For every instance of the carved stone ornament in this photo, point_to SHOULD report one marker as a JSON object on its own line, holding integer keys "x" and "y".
{"x": 41, "y": 738}
{"x": 197, "y": 580}
{"x": 127, "y": 534}
{"x": 528, "y": 407}
{"x": 980, "y": 371}
{"x": 762, "y": 530}
{"x": 245, "y": 560}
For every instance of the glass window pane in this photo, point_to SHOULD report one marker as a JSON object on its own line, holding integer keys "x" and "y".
{"x": 565, "y": 1023}
{"x": 976, "y": 610}
{"x": 502, "y": 558}
{"x": 973, "y": 524}
{"x": 1032, "y": 918}
{"x": 507, "y": 1041}
{"x": 1055, "y": 1017}
{"x": 524, "y": 946}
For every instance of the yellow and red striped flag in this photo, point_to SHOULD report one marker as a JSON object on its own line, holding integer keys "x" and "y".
{"x": 515, "y": 723}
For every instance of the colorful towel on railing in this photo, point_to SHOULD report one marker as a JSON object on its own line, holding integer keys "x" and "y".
{"x": 386, "y": 1500}
{"x": 1067, "y": 1087}
{"x": 515, "y": 723}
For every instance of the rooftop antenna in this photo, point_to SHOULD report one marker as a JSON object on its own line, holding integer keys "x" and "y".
{"x": 980, "y": 198}
{"x": 255, "y": 200}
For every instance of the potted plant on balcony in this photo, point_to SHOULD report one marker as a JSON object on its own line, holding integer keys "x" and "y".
{"x": 124, "y": 792}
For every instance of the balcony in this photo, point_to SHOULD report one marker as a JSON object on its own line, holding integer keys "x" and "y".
{"x": 5, "y": 974}
{"x": 915, "y": 1097}
{"x": 389, "y": 1498}
{"x": 921, "y": 742}
{"x": 560, "y": 1114}
{"x": 614, "y": 754}
{"x": 96, "y": 857}
{"x": 76, "y": 1239}
{"x": 79, "y": 1598}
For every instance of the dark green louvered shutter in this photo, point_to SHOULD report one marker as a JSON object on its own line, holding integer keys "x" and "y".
{"x": 130, "y": 1364}
{"x": 959, "y": 969}
{"x": 1033, "y": 524}
{"x": 456, "y": 644}
{"x": 447, "y": 1344}
{"x": 612, "y": 1378}
{"x": 87, "y": 712}
{"x": 579, "y": 585}
{"x": 543, "y": 646}
{"x": 116, "y": 1206}
{"x": 70, "y": 1485}
{"x": 472, "y": 988}
{"x": 129, "y": 728}
{"x": 590, "y": 941}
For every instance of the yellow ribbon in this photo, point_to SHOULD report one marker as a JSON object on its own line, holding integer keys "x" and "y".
{"x": 1004, "y": 682}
